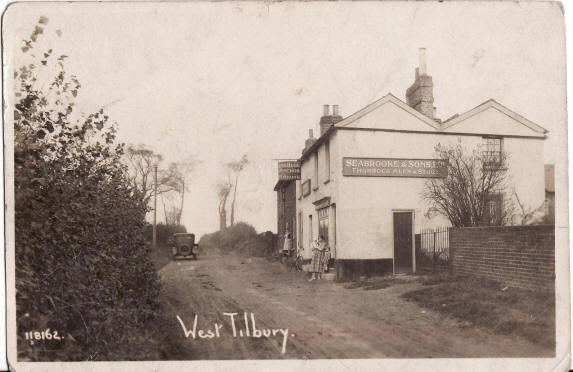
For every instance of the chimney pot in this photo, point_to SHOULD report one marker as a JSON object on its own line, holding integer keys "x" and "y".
{"x": 422, "y": 61}
{"x": 420, "y": 94}
{"x": 325, "y": 109}
{"x": 310, "y": 135}
{"x": 335, "y": 110}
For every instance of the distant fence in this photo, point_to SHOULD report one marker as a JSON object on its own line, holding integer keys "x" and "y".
{"x": 433, "y": 249}
{"x": 521, "y": 256}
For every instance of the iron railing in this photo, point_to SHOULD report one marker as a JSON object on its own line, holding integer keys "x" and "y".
{"x": 433, "y": 248}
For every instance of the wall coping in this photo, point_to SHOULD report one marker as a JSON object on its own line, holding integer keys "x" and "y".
{"x": 517, "y": 227}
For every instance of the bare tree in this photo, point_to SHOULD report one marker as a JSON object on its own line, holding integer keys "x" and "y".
{"x": 141, "y": 161}
{"x": 532, "y": 216}
{"x": 169, "y": 210}
{"x": 472, "y": 192}
{"x": 223, "y": 190}
{"x": 236, "y": 167}
{"x": 176, "y": 178}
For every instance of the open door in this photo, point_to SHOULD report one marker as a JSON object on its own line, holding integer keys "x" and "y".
{"x": 403, "y": 243}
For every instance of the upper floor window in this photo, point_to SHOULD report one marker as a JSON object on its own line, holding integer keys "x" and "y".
{"x": 492, "y": 151}
{"x": 315, "y": 161}
{"x": 305, "y": 188}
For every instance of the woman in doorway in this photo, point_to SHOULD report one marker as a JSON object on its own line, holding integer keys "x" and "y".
{"x": 318, "y": 255}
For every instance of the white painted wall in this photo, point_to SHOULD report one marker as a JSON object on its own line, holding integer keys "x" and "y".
{"x": 492, "y": 121}
{"x": 365, "y": 205}
{"x": 391, "y": 115}
{"x": 526, "y": 171}
{"x": 325, "y": 188}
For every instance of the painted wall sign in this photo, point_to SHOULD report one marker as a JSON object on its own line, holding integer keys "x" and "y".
{"x": 306, "y": 187}
{"x": 382, "y": 167}
{"x": 289, "y": 170}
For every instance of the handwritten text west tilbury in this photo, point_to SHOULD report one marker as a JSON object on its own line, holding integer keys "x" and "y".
{"x": 236, "y": 328}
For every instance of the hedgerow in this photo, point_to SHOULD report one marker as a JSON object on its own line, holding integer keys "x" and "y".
{"x": 82, "y": 268}
{"x": 163, "y": 232}
{"x": 240, "y": 238}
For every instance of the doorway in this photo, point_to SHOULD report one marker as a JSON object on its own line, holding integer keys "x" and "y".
{"x": 403, "y": 246}
{"x": 323, "y": 223}
{"x": 310, "y": 237}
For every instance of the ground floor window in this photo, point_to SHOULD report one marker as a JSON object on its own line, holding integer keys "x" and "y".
{"x": 310, "y": 230}
{"x": 300, "y": 222}
{"x": 493, "y": 212}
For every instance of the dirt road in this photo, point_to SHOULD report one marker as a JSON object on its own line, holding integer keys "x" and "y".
{"x": 312, "y": 320}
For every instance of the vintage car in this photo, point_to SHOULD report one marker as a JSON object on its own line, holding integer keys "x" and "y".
{"x": 184, "y": 246}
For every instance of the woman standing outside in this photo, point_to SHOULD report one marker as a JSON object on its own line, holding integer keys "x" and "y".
{"x": 287, "y": 246}
{"x": 319, "y": 249}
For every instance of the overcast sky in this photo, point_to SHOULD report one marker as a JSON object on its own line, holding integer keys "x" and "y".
{"x": 215, "y": 80}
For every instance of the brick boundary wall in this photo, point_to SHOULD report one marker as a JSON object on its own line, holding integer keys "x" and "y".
{"x": 519, "y": 256}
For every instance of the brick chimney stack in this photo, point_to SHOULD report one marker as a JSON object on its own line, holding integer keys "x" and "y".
{"x": 327, "y": 120}
{"x": 420, "y": 95}
{"x": 309, "y": 141}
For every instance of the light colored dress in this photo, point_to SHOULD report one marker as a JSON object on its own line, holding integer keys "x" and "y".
{"x": 287, "y": 246}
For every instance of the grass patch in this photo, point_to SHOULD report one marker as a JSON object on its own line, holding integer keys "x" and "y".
{"x": 489, "y": 304}
{"x": 378, "y": 283}
{"x": 160, "y": 256}
{"x": 435, "y": 278}
{"x": 164, "y": 335}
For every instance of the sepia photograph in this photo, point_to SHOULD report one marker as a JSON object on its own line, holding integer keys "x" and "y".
{"x": 255, "y": 185}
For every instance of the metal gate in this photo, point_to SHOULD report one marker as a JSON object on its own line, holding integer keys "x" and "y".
{"x": 433, "y": 249}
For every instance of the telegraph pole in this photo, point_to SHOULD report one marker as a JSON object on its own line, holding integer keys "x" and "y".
{"x": 155, "y": 207}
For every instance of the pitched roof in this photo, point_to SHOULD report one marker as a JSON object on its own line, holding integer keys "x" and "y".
{"x": 388, "y": 98}
{"x": 435, "y": 125}
{"x": 491, "y": 103}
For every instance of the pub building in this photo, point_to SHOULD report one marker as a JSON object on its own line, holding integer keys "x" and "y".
{"x": 361, "y": 180}
{"x": 289, "y": 172}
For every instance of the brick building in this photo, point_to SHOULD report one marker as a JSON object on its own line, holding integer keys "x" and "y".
{"x": 286, "y": 210}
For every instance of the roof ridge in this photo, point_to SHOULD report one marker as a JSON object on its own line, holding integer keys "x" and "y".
{"x": 457, "y": 118}
{"x": 379, "y": 102}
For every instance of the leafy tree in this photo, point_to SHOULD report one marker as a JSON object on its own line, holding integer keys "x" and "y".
{"x": 82, "y": 267}
{"x": 465, "y": 195}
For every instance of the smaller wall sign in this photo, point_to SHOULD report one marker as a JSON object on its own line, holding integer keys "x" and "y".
{"x": 384, "y": 167}
{"x": 289, "y": 170}
{"x": 306, "y": 187}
